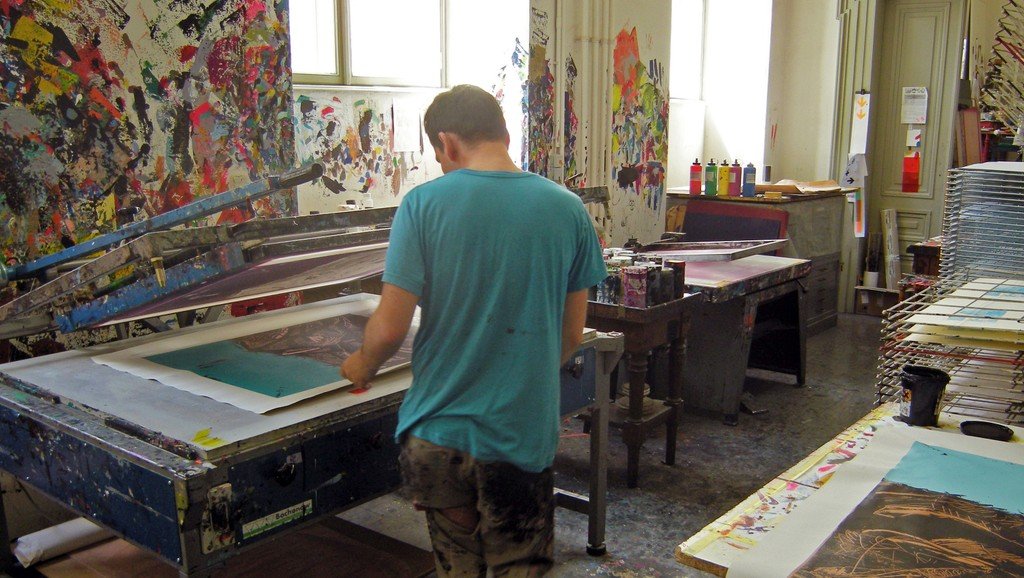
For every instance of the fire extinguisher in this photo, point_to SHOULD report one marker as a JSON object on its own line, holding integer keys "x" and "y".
{"x": 912, "y": 172}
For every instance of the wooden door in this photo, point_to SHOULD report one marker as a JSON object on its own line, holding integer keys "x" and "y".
{"x": 921, "y": 46}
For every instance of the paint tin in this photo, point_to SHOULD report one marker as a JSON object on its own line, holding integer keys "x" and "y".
{"x": 668, "y": 285}
{"x": 609, "y": 290}
{"x": 634, "y": 286}
{"x": 653, "y": 285}
{"x": 679, "y": 277}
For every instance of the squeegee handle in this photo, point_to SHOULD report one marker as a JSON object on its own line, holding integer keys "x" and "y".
{"x": 298, "y": 176}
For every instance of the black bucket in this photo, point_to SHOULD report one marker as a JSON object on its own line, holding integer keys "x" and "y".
{"x": 922, "y": 392}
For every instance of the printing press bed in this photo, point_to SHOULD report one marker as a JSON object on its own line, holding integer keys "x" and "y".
{"x": 195, "y": 480}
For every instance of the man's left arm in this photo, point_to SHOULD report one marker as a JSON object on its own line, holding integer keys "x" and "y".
{"x": 573, "y": 319}
{"x": 385, "y": 332}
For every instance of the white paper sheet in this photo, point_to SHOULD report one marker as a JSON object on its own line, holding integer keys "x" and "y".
{"x": 796, "y": 539}
{"x": 859, "y": 124}
{"x": 407, "y": 128}
{"x": 915, "y": 105}
{"x": 133, "y": 360}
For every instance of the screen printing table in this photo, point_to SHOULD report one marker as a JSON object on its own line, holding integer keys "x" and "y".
{"x": 196, "y": 481}
{"x": 718, "y": 545}
{"x": 752, "y": 316}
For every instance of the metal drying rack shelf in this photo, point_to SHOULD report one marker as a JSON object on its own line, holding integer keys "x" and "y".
{"x": 984, "y": 383}
{"x": 982, "y": 237}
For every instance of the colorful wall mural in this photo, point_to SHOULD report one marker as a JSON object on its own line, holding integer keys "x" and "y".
{"x": 512, "y": 80}
{"x": 573, "y": 163}
{"x": 353, "y": 135}
{"x": 639, "y": 145}
{"x": 112, "y": 112}
{"x": 540, "y": 95}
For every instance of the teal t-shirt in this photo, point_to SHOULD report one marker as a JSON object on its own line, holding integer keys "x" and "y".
{"x": 491, "y": 256}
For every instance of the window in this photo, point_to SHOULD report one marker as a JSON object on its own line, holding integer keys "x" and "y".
{"x": 367, "y": 42}
{"x": 718, "y": 83}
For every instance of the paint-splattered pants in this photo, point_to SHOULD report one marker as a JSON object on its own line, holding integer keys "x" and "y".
{"x": 515, "y": 535}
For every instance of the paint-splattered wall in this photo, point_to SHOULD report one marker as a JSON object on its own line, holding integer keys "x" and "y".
{"x": 541, "y": 95}
{"x": 612, "y": 94}
{"x": 352, "y": 134}
{"x": 114, "y": 111}
{"x": 639, "y": 144}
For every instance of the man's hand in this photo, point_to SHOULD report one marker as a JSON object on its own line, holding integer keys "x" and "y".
{"x": 384, "y": 334}
{"x": 356, "y": 370}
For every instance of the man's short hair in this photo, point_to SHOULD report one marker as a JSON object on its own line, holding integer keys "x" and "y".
{"x": 467, "y": 111}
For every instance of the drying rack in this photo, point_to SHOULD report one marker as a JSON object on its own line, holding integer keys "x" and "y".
{"x": 983, "y": 237}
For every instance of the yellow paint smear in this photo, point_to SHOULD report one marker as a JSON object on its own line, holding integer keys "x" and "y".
{"x": 37, "y": 38}
{"x": 105, "y": 211}
{"x": 203, "y": 438}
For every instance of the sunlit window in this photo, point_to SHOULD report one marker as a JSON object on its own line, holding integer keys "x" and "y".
{"x": 394, "y": 42}
{"x": 367, "y": 42}
{"x": 313, "y": 37}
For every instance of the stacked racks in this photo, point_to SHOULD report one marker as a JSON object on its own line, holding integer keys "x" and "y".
{"x": 970, "y": 323}
{"x": 983, "y": 221}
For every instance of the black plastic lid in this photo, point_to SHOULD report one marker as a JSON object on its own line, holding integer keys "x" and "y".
{"x": 985, "y": 429}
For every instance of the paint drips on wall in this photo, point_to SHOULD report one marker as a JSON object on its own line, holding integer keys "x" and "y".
{"x": 573, "y": 165}
{"x": 353, "y": 136}
{"x": 540, "y": 96}
{"x": 517, "y": 69}
{"x": 639, "y": 123}
{"x": 114, "y": 112}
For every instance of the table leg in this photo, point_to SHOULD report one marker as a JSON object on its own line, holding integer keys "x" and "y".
{"x": 597, "y": 506}
{"x": 633, "y": 428}
{"x": 6, "y": 557}
{"x": 734, "y": 388}
{"x": 675, "y": 395}
{"x": 801, "y": 329}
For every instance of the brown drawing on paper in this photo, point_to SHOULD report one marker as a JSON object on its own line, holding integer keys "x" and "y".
{"x": 329, "y": 340}
{"x": 899, "y": 531}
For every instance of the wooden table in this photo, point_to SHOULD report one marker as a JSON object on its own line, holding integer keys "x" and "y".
{"x": 752, "y": 317}
{"x": 644, "y": 330}
{"x": 716, "y": 546}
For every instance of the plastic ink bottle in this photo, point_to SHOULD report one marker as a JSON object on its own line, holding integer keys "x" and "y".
{"x": 723, "y": 178}
{"x": 696, "y": 176}
{"x": 735, "y": 176}
{"x": 711, "y": 178}
{"x": 749, "y": 178}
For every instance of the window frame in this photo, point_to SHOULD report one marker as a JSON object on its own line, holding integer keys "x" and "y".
{"x": 344, "y": 76}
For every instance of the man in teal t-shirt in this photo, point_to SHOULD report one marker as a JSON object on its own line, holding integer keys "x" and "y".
{"x": 499, "y": 261}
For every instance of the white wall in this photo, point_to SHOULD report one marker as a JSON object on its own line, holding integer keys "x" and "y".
{"x": 801, "y": 89}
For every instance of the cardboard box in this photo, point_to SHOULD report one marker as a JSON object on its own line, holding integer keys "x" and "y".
{"x": 874, "y": 300}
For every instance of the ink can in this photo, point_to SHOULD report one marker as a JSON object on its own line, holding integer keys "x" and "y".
{"x": 653, "y": 285}
{"x": 678, "y": 277}
{"x": 667, "y": 285}
{"x": 634, "y": 286}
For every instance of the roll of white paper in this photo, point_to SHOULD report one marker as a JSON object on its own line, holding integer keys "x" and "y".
{"x": 56, "y": 540}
